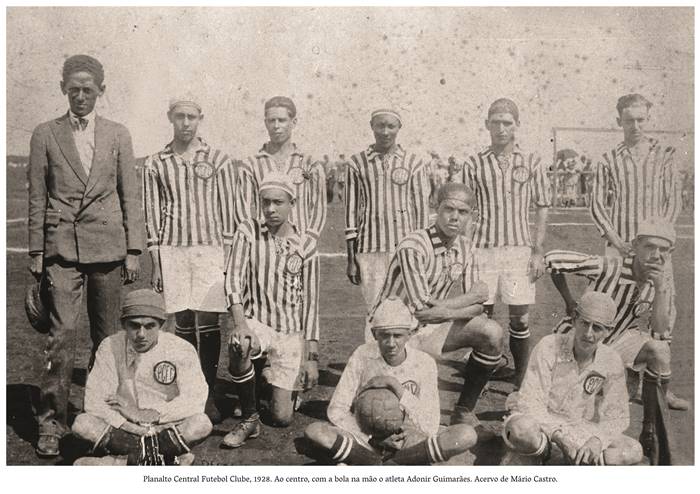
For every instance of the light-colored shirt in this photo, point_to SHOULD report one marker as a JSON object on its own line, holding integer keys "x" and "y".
{"x": 167, "y": 378}
{"x": 188, "y": 203}
{"x": 387, "y": 197}
{"x": 84, "y": 138}
{"x": 504, "y": 191}
{"x": 642, "y": 186}
{"x": 591, "y": 402}
{"x": 417, "y": 374}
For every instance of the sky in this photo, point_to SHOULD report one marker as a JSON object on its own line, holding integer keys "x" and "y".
{"x": 439, "y": 67}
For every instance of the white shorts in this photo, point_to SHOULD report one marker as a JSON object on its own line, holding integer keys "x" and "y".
{"x": 193, "y": 278}
{"x": 431, "y": 338}
{"x": 373, "y": 268}
{"x": 284, "y": 353}
{"x": 628, "y": 346}
{"x": 504, "y": 270}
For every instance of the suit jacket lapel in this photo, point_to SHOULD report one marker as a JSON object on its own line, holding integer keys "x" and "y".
{"x": 99, "y": 157}
{"x": 64, "y": 137}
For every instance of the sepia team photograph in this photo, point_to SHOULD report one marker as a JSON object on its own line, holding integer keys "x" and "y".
{"x": 251, "y": 240}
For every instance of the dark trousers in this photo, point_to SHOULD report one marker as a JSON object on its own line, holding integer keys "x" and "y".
{"x": 66, "y": 280}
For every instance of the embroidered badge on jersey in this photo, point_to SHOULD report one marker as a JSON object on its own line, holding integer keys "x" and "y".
{"x": 297, "y": 175}
{"x": 455, "y": 271}
{"x": 204, "y": 170}
{"x": 521, "y": 174}
{"x": 593, "y": 382}
{"x": 165, "y": 372}
{"x": 294, "y": 263}
{"x": 412, "y": 387}
{"x": 400, "y": 175}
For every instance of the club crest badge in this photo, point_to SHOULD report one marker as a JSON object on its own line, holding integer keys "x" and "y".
{"x": 412, "y": 387}
{"x": 165, "y": 372}
{"x": 297, "y": 175}
{"x": 204, "y": 170}
{"x": 593, "y": 383}
{"x": 455, "y": 271}
{"x": 294, "y": 263}
{"x": 521, "y": 174}
{"x": 400, "y": 175}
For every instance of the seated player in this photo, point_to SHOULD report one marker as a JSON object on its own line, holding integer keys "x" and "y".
{"x": 145, "y": 395}
{"x": 574, "y": 396}
{"x": 265, "y": 292}
{"x": 641, "y": 286}
{"x": 424, "y": 268}
{"x": 412, "y": 375}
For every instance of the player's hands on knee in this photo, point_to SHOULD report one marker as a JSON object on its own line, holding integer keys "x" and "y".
{"x": 36, "y": 265}
{"x": 353, "y": 272}
{"x": 309, "y": 374}
{"x": 435, "y": 313}
{"x": 481, "y": 291}
{"x": 591, "y": 453}
{"x": 243, "y": 342}
{"x": 382, "y": 382}
{"x": 395, "y": 442}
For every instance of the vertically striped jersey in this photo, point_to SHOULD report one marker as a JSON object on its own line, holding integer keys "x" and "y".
{"x": 265, "y": 274}
{"x": 188, "y": 203}
{"x": 641, "y": 187}
{"x": 309, "y": 211}
{"x": 423, "y": 268}
{"x": 387, "y": 197}
{"x": 504, "y": 189}
{"x": 613, "y": 276}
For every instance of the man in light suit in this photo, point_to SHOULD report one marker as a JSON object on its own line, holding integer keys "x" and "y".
{"x": 85, "y": 230}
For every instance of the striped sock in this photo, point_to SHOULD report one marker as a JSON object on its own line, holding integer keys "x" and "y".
{"x": 476, "y": 374}
{"x": 346, "y": 450}
{"x": 245, "y": 384}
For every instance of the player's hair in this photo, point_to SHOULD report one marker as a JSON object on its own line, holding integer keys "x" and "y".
{"x": 282, "y": 102}
{"x": 504, "y": 105}
{"x": 633, "y": 99}
{"x": 450, "y": 189}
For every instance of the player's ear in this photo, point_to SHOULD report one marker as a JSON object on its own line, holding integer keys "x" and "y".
{"x": 619, "y": 121}
{"x": 63, "y": 88}
{"x": 486, "y": 124}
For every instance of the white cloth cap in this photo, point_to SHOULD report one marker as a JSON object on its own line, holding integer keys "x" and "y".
{"x": 657, "y": 227}
{"x": 393, "y": 313}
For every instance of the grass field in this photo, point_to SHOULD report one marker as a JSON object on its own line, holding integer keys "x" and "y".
{"x": 342, "y": 330}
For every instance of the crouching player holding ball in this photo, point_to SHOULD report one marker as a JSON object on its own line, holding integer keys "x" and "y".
{"x": 574, "y": 396}
{"x": 368, "y": 428}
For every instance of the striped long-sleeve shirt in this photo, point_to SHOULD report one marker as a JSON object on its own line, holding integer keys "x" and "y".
{"x": 613, "y": 276}
{"x": 387, "y": 197}
{"x": 309, "y": 212}
{"x": 265, "y": 275}
{"x": 642, "y": 187}
{"x": 188, "y": 203}
{"x": 423, "y": 268}
{"x": 504, "y": 192}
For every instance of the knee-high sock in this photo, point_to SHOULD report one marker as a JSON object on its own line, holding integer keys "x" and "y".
{"x": 262, "y": 392}
{"x": 422, "y": 453}
{"x": 520, "y": 349}
{"x": 347, "y": 450}
{"x": 650, "y": 404}
{"x": 119, "y": 442}
{"x": 172, "y": 443}
{"x": 245, "y": 384}
{"x": 207, "y": 325}
{"x": 476, "y": 374}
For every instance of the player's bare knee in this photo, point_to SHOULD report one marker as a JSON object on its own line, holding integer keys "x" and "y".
{"x": 196, "y": 428}
{"x": 457, "y": 439}
{"x": 519, "y": 322}
{"x": 523, "y": 433}
{"x": 281, "y": 414}
{"x": 321, "y": 434}
{"x": 659, "y": 355}
{"x": 625, "y": 451}
{"x": 88, "y": 427}
{"x": 491, "y": 337}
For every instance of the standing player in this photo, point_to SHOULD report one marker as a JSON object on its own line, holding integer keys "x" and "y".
{"x": 641, "y": 287}
{"x": 426, "y": 265}
{"x": 387, "y": 197}
{"x": 266, "y": 301}
{"x": 388, "y": 362}
{"x": 85, "y": 231}
{"x": 574, "y": 395}
{"x": 640, "y": 175}
{"x": 506, "y": 182}
{"x": 308, "y": 214}
{"x": 188, "y": 201}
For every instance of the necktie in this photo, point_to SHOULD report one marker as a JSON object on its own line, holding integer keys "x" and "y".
{"x": 82, "y": 122}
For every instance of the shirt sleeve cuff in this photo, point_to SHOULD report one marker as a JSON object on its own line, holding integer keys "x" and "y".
{"x": 234, "y": 299}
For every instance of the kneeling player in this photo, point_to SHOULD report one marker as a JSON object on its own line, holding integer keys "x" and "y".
{"x": 265, "y": 282}
{"x": 145, "y": 395}
{"x": 412, "y": 376}
{"x": 574, "y": 394}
